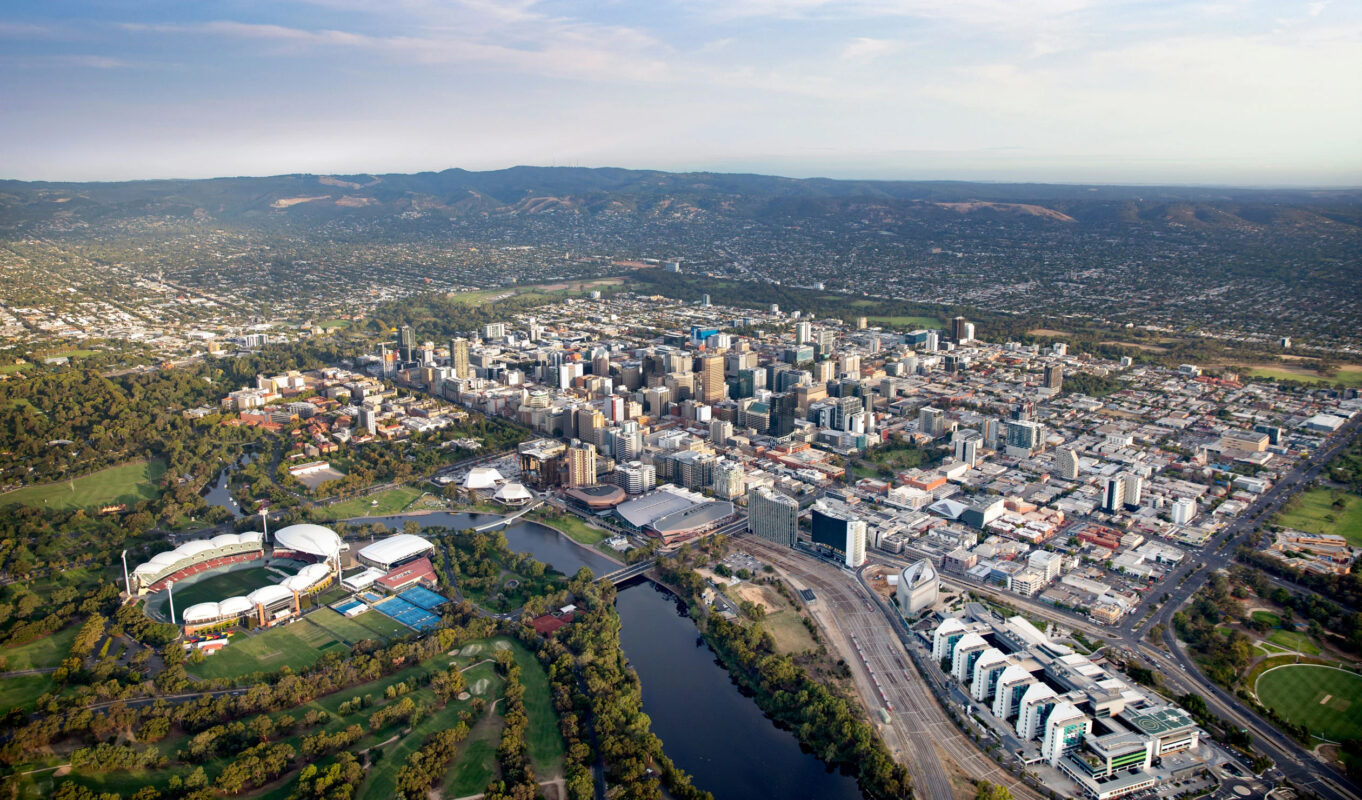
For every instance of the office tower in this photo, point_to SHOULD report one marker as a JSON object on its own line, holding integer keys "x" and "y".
{"x": 635, "y": 477}
{"x": 1054, "y": 376}
{"x": 704, "y": 301}
{"x": 990, "y": 430}
{"x": 735, "y": 362}
{"x": 1132, "y": 486}
{"x": 614, "y": 408}
{"x": 772, "y": 516}
{"x": 1113, "y": 494}
{"x": 840, "y": 530}
{"x": 803, "y": 333}
{"x": 729, "y": 480}
{"x": 827, "y": 342}
{"x": 626, "y": 441}
{"x": 932, "y": 343}
{"x": 581, "y": 463}
{"x": 850, "y": 367}
{"x": 587, "y": 422}
{"x": 784, "y": 407}
{"x": 958, "y": 329}
{"x": 458, "y": 358}
{"x": 711, "y": 371}
{"x": 406, "y": 344}
{"x": 1183, "y": 510}
{"x": 860, "y": 323}
{"x": 655, "y": 399}
{"x": 798, "y": 354}
{"x": 1023, "y": 438}
{"x": 425, "y": 354}
{"x": 1059, "y": 349}
{"x": 950, "y": 363}
{"x": 719, "y": 432}
{"x": 368, "y": 419}
{"x": 1066, "y": 462}
{"x": 694, "y": 469}
{"x": 967, "y": 444}
{"x": 541, "y": 463}
{"x": 600, "y": 364}
{"x": 969, "y": 332}
{"x": 931, "y": 421}
{"x": 494, "y": 330}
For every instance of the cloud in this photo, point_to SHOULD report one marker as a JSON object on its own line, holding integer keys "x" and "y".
{"x": 864, "y": 48}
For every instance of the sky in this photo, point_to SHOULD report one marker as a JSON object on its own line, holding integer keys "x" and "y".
{"x": 1239, "y": 92}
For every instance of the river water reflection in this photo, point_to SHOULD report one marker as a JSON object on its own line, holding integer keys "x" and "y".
{"x": 707, "y": 726}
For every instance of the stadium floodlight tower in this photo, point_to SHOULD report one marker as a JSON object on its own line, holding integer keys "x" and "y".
{"x": 264, "y": 524}
{"x": 127, "y": 581}
{"x": 170, "y": 592}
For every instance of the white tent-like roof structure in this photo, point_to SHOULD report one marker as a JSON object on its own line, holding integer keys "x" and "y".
{"x": 314, "y": 540}
{"x": 513, "y": 493}
{"x": 393, "y": 549}
{"x": 483, "y": 478}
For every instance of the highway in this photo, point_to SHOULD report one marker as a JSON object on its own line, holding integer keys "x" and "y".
{"x": 919, "y": 733}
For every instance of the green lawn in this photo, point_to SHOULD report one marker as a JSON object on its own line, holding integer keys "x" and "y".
{"x": 45, "y": 652}
{"x": 369, "y": 625}
{"x": 213, "y": 589}
{"x": 1314, "y": 511}
{"x": 1266, "y": 616}
{"x": 392, "y": 501}
{"x": 787, "y": 628}
{"x": 297, "y": 645}
{"x": 1346, "y": 377}
{"x": 1324, "y": 699}
{"x": 906, "y": 322}
{"x": 1292, "y": 640}
{"x": 542, "y": 739}
{"x": 23, "y": 691}
{"x": 127, "y": 483}
{"x": 573, "y": 526}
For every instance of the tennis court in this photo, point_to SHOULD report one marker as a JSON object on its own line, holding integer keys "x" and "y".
{"x": 423, "y": 598}
{"x": 413, "y": 617}
{"x": 345, "y": 607}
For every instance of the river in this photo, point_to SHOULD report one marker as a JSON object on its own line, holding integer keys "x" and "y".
{"x": 218, "y": 494}
{"x": 707, "y": 726}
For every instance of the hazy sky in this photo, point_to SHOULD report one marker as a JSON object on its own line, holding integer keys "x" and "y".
{"x": 1221, "y": 91}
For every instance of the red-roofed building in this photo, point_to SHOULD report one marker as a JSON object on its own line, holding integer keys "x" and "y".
{"x": 550, "y": 623}
{"x": 418, "y": 572}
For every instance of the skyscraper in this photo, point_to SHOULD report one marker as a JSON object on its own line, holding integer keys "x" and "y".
{"x": 1066, "y": 462}
{"x": 1023, "y": 438}
{"x": 1054, "y": 376}
{"x": 729, "y": 480}
{"x": 581, "y": 463}
{"x": 458, "y": 358}
{"x": 712, "y": 386}
{"x": 1113, "y": 494}
{"x": 931, "y": 421}
{"x": 958, "y": 332}
{"x": 772, "y": 516}
{"x": 406, "y": 344}
{"x": 803, "y": 333}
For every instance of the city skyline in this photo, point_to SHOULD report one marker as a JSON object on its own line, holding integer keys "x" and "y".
{"x": 1065, "y": 90}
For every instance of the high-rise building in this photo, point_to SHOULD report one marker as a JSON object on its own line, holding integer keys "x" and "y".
{"x": 827, "y": 342}
{"x": 711, "y": 370}
{"x": 1132, "y": 488}
{"x": 626, "y": 441}
{"x": 958, "y": 332}
{"x": 635, "y": 477}
{"x": 494, "y": 330}
{"x": 772, "y": 516}
{"x": 967, "y": 443}
{"x": 614, "y": 408}
{"x": 368, "y": 419}
{"x": 1113, "y": 494}
{"x": 729, "y": 480}
{"x": 587, "y": 422}
{"x": 581, "y": 464}
{"x": 1065, "y": 729}
{"x": 1023, "y": 438}
{"x": 840, "y": 530}
{"x": 803, "y": 333}
{"x": 931, "y": 421}
{"x": 719, "y": 432}
{"x": 1054, "y": 376}
{"x": 406, "y": 344}
{"x": 1066, "y": 462}
{"x": 933, "y": 342}
{"x": 784, "y": 407}
{"x": 458, "y": 358}
{"x": 1183, "y": 510}
{"x": 541, "y": 463}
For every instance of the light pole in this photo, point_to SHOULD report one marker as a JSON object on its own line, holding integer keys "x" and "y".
{"x": 127, "y": 582}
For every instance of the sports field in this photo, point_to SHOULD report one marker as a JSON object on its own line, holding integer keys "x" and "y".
{"x": 392, "y": 501}
{"x": 215, "y": 588}
{"x": 369, "y": 625}
{"x": 1348, "y": 375}
{"x": 126, "y": 483}
{"x": 1326, "y": 700}
{"x": 1292, "y": 640}
{"x": 905, "y": 322}
{"x": 1313, "y": 511}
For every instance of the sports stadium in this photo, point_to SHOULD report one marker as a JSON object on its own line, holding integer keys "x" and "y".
{"x": 228, "y": 580}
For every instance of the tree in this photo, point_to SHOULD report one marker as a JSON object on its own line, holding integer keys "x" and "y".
{"x": 991, "y": 791}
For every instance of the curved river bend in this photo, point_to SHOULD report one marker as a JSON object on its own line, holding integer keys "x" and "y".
{"x": 708, "y": 727}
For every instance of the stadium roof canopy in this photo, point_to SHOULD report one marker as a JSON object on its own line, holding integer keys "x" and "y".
{"x": 311, "y": 539}
{"x": 699, "y": 516}
{"x": 395, "y": 548}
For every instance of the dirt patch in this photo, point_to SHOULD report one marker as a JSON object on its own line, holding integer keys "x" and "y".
{"x": 757, "y": 596}
{"x": 1048, "y": 332}
{"x": 285, "y": 202}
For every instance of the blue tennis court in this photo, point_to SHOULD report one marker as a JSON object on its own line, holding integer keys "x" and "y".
{"x": 424, "y": 598}
{"x": 346, "y": 606}
{"x": 413, "y": 617}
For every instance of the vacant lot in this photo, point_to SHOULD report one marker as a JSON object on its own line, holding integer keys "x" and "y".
{"x": 1315, "y": 511}
{"x": 1324, "y": 699}
{"x": 787, "y": 628}
{"x": 126, "y": 483}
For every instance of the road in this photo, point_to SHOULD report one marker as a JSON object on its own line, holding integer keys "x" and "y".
{"x": 919, "y": 732}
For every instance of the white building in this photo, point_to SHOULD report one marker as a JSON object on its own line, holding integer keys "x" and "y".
{"x": 918, "y": 587}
